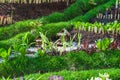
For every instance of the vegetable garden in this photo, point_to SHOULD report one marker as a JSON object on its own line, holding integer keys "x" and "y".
{"x": 71, "y": 44}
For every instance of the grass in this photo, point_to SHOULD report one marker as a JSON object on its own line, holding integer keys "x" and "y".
{"x": 76, "y": 75}
{"x": 71, "y": 61}
{"x": 7, "y": 32}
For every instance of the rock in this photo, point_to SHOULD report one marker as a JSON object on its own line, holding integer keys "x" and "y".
{"x": 64, "y": 32}
{"x": 32, "y": 50}
{"x": 56, "y": 78}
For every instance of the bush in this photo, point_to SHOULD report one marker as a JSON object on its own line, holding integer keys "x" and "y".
{"x": 93, "y": 12}
{"x": 53, "y": 28}
{"x": 71, "y": 61}
{"x": 55, "y": 17}
{"x": 79, "y": 8}
{"x": 77, "y": 75}
{"x": 7, "y": 32}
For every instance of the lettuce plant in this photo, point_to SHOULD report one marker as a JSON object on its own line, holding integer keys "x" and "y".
{"x": 5, "y": 54}
{"x": 104, "y": 76}
{"x": 103, "y": 44}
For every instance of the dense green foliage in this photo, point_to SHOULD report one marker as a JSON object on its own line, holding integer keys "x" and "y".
{"x": 93, "y": 12}
{"x": 77, "y": 75}
{"x": 7, "y": 32}
{"x": 70, "y": 61}
{"x": 79, "y": 8}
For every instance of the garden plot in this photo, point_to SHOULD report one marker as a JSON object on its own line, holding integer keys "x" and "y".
{"x": 76, "y": 40}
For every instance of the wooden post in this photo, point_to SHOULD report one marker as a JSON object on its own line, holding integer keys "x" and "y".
{"x": 106, "y": 14}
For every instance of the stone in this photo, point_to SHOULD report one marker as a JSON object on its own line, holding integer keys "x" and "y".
{"x": 56, "y": 78}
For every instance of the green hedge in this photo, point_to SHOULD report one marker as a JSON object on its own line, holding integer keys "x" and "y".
{"x": 8, "y": 43}
{"x": 93, "y": 12}
{"x": 71, "y": 61}
{"x": 7, "y": 32}
{"x": 77, "y": 75}
{"x": 80, "y": 7}
{"x": 53, "y": 28}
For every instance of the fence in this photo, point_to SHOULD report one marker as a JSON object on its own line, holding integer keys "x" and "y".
{"x": 5, "y": 19}
{"x": 110, "y": 14}
{"x": 34, "y": 1}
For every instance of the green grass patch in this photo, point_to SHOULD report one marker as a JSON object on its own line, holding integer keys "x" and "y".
{"x": 77, "y": 75}
{"x": 7, "y": 32}
{"x": 71, "y": 61}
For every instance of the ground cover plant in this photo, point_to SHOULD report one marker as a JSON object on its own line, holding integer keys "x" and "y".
{"x": 48, "y": 49}
{"x": 7, "y": 32}
{"x": 76, "y": 75}
{"x": 71, "y": 61}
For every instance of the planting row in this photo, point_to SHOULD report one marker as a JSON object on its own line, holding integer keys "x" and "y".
{"x": 5, "y": 19}
{"x": 99, "y": 30}
{"x": 105, "y": 37}
{"x": 76, "y": 40}
{"x": 109, "y": 28}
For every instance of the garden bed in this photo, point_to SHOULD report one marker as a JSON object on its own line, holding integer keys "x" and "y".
{"x": 75, "y": 40}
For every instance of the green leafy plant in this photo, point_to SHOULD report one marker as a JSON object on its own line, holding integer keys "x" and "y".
{"x": 72, "y": 39}
{"x": 45, "y": 41}
{"x": 112, "y": 27}
{"x": 21, "y": 45}
{"x": 47, "y": 45}
{"x": 40, "y": 52}
{"x": 64, "y": 41}
{"x": 79, "y": 39}
{"x": 104, "y": 76}
{"x": 103, "y": 44}
{"x": 8, "y": 78}
{"x": 5, "y": 54}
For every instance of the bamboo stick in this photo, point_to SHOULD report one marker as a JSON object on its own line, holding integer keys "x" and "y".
{"x": 35, "y": 1}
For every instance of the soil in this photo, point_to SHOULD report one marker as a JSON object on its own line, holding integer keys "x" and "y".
{"x": 90, "y": 36}
{"x": 30, "y": 11}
